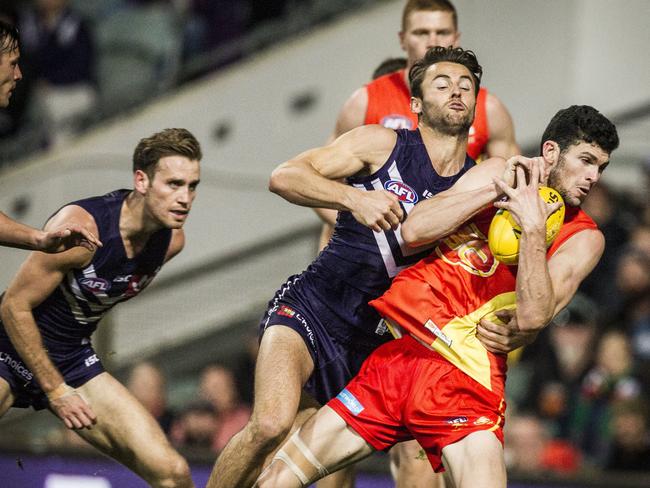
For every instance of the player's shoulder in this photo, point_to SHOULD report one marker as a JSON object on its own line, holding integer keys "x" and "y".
{"x": 357, "y": 102}
{"x": 176, "y": 244}
{"x": 579, "y": 236}
{"x": 353, "y": 112}
{"x": 372, "y": 137}
{"x": 494, "y": 107}
{"x": 73, "y": 213}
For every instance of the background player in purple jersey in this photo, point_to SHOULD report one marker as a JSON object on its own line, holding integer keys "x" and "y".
{"x": 68, "y": 233}
{"x": 319, "y": 327}
{"x": 55, "y": 302}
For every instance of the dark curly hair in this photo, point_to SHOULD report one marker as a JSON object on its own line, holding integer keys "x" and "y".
{"x": 580, "y": 123}
{"x": 439, "y": 54}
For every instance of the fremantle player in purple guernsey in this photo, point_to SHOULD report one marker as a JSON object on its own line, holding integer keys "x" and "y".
{"x": 319, "y": 328}
{"x": 56, "y": 301}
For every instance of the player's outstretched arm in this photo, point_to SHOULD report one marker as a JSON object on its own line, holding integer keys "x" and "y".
{"x": 38, "y": 276}
{"x": 502, "y": 142}
{"x": 313, "y": 178}
{"x": 440, "y": 215}
{"x": 65, "y": 236}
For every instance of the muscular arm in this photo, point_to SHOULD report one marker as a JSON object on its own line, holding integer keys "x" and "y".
{"x": 313, "y": 178}
{"x": 15, "y": 234}
{"x": 65, "y": 235}
{"x": 38, "y": 276}
{"x": 438, "y": 216}
{"x": 502, "y": 141}
{"x": 352, "y": 115}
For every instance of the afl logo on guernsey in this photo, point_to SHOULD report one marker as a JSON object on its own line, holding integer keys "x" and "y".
{"x": 396, "y": 121}
{"x": 404, "y": 192}
{"x": 95, "y": 284}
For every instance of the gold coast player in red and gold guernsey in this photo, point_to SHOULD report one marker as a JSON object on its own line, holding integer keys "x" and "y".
{"x": 439, "y": 383}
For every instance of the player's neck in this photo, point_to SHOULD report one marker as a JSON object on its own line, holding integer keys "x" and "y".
{"x": 135, "y": 225}
{"x": 447, "y": 152}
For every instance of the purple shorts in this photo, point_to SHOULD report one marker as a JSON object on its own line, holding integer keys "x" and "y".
{"x": 77, "y": 365}
{"x": 335, "y": 363}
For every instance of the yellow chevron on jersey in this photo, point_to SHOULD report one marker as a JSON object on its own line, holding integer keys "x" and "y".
{"x": 457, "y": 341}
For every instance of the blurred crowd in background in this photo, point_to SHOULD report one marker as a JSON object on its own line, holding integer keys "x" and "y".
{"x": 86, "y": 60}
{"x": 578, "y": 398}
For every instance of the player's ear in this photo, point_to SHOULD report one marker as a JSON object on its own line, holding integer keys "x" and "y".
{"x": 416, "y": 105}
{"x": 551, "y": 152}
{"x": 140, "y": 181}
{"x": 400, "y": 36}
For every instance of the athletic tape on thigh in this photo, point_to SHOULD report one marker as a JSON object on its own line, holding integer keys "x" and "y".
{"x": 300, "y": 460}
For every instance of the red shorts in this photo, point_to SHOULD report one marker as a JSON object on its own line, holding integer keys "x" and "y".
{"x": 406, "y": 391}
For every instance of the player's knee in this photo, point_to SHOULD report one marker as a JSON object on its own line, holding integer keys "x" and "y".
{"x": 410, "y": 465}
{"x": 270, "y": 431}
{"x": 6, "y": 400}
{"x": 175, "y": 473}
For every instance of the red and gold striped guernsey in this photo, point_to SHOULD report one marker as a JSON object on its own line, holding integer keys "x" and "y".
{"x": 441, "y": 299}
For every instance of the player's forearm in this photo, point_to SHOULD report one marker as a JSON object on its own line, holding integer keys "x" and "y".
{"x": 15, "y": 234}
{"x": 440, "y": 215}
{"x": 26, "y": 339}
{"x": 535, "y": 297}
{"x": 306, "y": 187}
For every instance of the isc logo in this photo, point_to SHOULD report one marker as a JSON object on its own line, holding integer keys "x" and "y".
{"x": 404, "y": 192}
{"x": 95, "y": 284}
{"x": 91, "y": 360}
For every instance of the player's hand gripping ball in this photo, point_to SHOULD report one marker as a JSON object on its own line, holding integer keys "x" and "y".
{"x": 504, "y": 233}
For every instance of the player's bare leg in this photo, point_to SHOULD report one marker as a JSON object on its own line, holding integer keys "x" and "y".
{"x": 343, "y": 478}
{"x": 6, "y": 397}
{"x": 323, "y": 445}
{"x": 476, "y": 461}
{"x": 410, "y": 467}
{"x": 283, "y": 366}
{"x": 128, "y": 433}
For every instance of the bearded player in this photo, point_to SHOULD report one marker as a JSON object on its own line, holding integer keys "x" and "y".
{"x": 55, "y": 302}
{"x": 387, "y": 99}
{"x": 437, "y": 383}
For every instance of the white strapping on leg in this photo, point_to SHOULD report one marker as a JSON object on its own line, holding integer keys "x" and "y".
{"x": 282, "y": 456}
{"x": 322, "y": 471}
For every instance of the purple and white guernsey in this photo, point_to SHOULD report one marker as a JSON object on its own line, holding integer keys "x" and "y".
{"x": 70, "y": 314}
{"x": 359, "y": 264}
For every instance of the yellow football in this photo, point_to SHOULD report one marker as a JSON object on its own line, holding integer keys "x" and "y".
{"x": 504, "y": 233}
